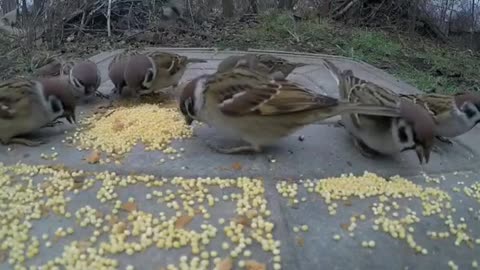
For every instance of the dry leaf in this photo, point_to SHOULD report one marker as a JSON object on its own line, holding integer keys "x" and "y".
{"x": 183, "y": 221}
{"x": 44, "y": 210}
{"x": 225, "y": 264}
{"x": 129, "y": 206}
{"x": 236, "y": 166}
{"x": 254, "y": 265}
{"x": 83, "y": 245}
{"x": 113, "y": 220}
{"x": 78, "y": 182}
{"x": 119, "y": 227}
{"x": 118, "y": 125}
{"x": 98, "y": 214}
{"x": 245, "y": 221}
{"x": 93, "y": 158}
{"x": 300, "y": 241}
{"x": 3, "y": 256}
{"x": 344, "y": 226}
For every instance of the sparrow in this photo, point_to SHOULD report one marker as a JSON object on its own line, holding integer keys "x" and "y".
{"x": 413, "y": 129}
{"x": 278, "y": 68}
{"x": 84, "y": 75}
{"x": 454, "y": 115}
{"x": 155, "y": 71}
{"x": 85, "y": 78}
{"x": 259, "y": 109}
{"x": 28, "y": 105}
{"x": 116, "y": 70}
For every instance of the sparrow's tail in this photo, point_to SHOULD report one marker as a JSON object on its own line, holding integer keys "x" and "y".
{"x": 196, "y": 60}
{"x": 326, "y": 114}
{"x": 345, "y": 80}
{"x": 334, "y": 70}
{"x": 368, "y": 109}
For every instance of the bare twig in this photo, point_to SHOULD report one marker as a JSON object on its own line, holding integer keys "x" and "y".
{"x": 345, "y": 9}
{"x": 109, "y": 13}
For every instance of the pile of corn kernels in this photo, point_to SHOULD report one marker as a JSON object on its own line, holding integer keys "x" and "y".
{"x": 121, "y": 128}
{"x": 181, "y": 219}
{"x": 390, "y": 214}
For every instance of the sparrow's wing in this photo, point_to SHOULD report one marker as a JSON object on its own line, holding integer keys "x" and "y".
{"x": 369, "y": 93}
{"x": 171, "y": 62}
{"x": 439, "y": 106}
{"x": 278, "y": 64}
{"x": 16, "y": 98}
{"x": 244, "y": 92}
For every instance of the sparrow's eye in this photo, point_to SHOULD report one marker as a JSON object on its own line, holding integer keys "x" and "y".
{"x": 402, "y": 135}
{"x": 189, "y": 107}
{"x": 56, "y": 105}
{"x": 469, "y": 112}
{"x": 77, "y": 83}
{"x": 149, "y": 76}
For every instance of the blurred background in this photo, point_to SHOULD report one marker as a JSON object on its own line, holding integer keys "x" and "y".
{"x": 432, "y": 44}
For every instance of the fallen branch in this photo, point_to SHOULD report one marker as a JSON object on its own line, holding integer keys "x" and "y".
{"x": 345, "y": 9}
{"x": 109, "y": 13}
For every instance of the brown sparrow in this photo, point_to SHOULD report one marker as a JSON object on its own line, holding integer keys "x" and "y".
{"x": 28, "y": 105}
{"x": 83, "y": 75}
{"x": 257, "y": 108}
{"x": 155, "y": 71}
{"x": 454, "y": 115}
{"x": 116, "y": 70}
{"x": 85, "y": 78}
{"x": 413, "y": 129}
{"x": 278, "y": 68}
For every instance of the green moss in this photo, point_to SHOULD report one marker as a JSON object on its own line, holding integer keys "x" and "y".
{"x": 413, "y": 59}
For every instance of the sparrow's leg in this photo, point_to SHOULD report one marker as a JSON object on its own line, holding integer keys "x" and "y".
{"x": 444, "y": 140}
{"x": 339, "y": 123}
{"x": 101, "y": 95}
{"x": 54, "y": 123}
{"x": 26, "y": 142}
{"x": 235, "y": 150}
{"x": 364, "y": 149}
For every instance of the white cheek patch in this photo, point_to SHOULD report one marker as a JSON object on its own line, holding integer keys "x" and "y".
{"x": 200, "y": 87}
{"x": 232, "y": 99}
{"x": 149, "y": 77}
{"x": 41, "y": 94}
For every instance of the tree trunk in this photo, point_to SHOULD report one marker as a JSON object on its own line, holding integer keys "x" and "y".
{"x": 253, "y": 6}
{"x": 228, "y": 8}
{"x": 285, "y": 4}
{"x": 472, "y": 33}
{"x": 8, "y": 5}
{"x": 443, "y": 15}
{"x": 24, "y": 8}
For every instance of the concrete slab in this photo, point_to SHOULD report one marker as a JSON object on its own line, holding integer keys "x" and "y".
{"x": 323, "y": 152}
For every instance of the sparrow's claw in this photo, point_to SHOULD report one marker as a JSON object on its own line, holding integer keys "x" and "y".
{"x": 101, "y": 95}
{"x": 54, "y": 123}
{"x": 26, "y": 142}
{"x": 444, "y": 140}
{"x": 234, "y": 150}
{"x": 436, "y": 149}
{"x": 339, "y": 124}
{"x": 365, "y": 150}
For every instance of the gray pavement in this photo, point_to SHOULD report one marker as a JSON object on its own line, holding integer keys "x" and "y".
{"x": 324, "y": 152}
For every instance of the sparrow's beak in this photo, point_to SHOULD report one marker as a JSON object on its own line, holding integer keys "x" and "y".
{"x": 188, "y": 120}
{"x": 423, "y": 154}
{"x": 70, "y": 116}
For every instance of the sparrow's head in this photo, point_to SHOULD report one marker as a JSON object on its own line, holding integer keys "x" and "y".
{"x": 140, "y": 71}
{"x": 469, "y": 104}
{"x": 60, "y": 100}
{"x": 415, "y": 130}
{"x": 190, "y": 97}
{"x": 85, "y": 77}
{"x": 116, "y": 74}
